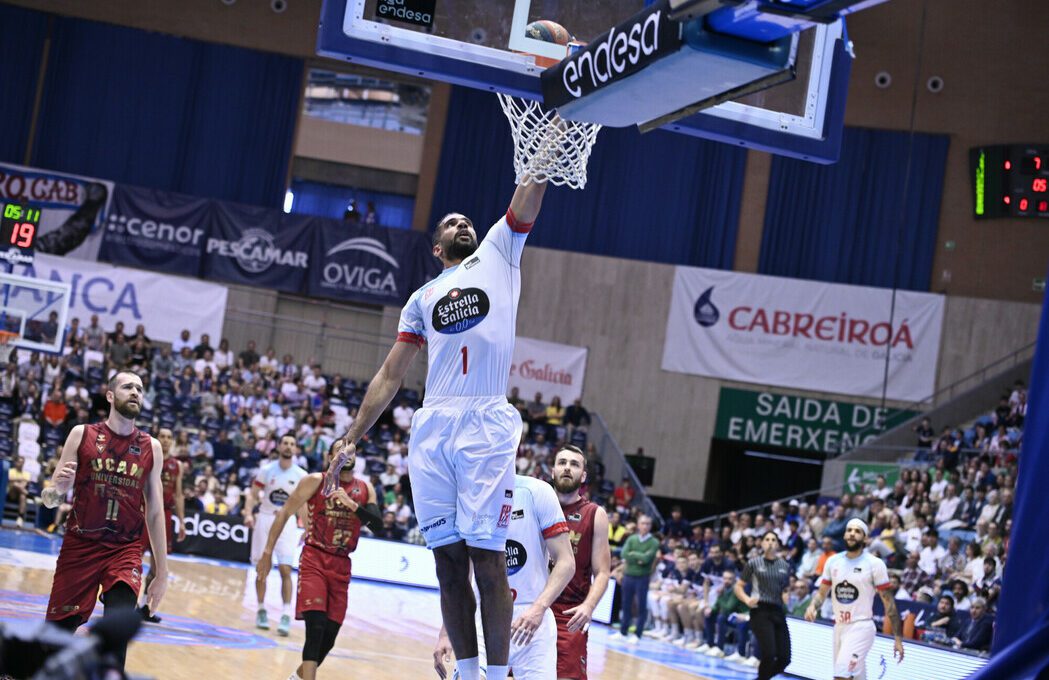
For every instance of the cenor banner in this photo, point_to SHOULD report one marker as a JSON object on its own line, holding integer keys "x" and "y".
{"x": 550, "y": 368}
{"x": 804, "y": 335}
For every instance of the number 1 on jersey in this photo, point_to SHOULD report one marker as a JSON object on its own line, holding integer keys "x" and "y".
{"x": 112, "y": 509}
{"x": 465, "y": 360}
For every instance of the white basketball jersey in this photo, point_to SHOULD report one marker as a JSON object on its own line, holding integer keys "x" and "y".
{"x": 536, "y": 516}
{"x": 468, "y": 318}
{"x": 853, "y": 583}
{"x": 277, "y": 485}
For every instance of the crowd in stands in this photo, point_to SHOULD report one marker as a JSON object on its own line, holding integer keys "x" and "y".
{"x": 942, "y": 527}
{"x": 228, "y": 411}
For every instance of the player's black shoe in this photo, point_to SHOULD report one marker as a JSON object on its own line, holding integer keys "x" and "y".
{"x": 147, "y": 616}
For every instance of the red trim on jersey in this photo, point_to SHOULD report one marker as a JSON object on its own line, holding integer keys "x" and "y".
{"x": 825, "y": 582}
{"x": 884, "y": 586}
{"x": 411, "y": 339}
{"x": 516, "y": 225}
{"x": 259, "y": 484}
{"x": 555, "y": 530}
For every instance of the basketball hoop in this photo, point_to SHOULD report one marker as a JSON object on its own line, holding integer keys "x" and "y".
{"x": 6, "y": 337}
{"x": 548, "y": 148}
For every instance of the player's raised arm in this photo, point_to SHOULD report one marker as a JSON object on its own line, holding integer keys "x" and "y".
{"x": 304, "y": 490}
{"x": 155, "y": 524}
{"x": 65, "y": 471}
{"x": 527, "y": 200}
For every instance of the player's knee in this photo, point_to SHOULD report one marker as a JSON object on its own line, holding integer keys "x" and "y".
{"x": 120, "y": 596}
{"x": 313, "y": 648}
{"x": 331, "y": 631}
{"x": 453, "y": 565}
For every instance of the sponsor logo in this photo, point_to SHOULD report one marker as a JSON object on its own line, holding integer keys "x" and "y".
{"x": 419, "y": 12}
{"x": 621, "y": 51}
{"x": 256, "y": 251}
{"x": 575, "y": 517}
{"x": 846, "y": 593}
{"x": 279, "y": 497}
{"x": 857, "y": 570}
{"x": 460, "y": 310}
{"x": 156, "y": 235}
{"x": 208, "y": 528}
{"x": 429, "y": 293}
{"x": 704, "y": 311}
{"x": 504, "y": 517}
{"x": 516, "y": 557}
{"x": 509, "y": 493}
{"x": 529, "y": 370}
{"x": 404, "y": 563}
{"x": 374, "y": 279}
{"x": 433, "y": 525}
{"x": 134, "y": 450}
{"x": 471, "y": 262}
{"x": 517, "y": 514}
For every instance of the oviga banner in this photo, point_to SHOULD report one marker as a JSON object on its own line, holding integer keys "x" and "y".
{"x": 804, "y": 335}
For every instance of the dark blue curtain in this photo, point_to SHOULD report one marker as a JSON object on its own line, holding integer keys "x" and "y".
{"x": 326, "y": 200}
{"x": 22, "y": 34}
{"x": 1024, "y": 603}
{"x": 841, "y": 223}
{"x": 168, "y": 113}
{"x": 658, "y": 197}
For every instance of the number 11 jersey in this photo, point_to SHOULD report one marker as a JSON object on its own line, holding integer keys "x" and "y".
{"x": 467, "y": 317}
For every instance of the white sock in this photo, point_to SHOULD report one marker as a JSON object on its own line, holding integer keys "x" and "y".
{"x": 498, "y": 672}
{"x": 470, "y": 669}
{"x": 294, "y": 675}
{"x": 286, "y": 609}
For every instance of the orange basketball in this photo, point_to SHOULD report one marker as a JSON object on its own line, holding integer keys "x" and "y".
{"x": 548, "y": 31}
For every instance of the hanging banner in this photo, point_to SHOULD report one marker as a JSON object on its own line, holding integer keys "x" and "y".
{"x": 803, "y": 423}
{"x": 72, "y": 208}
{"x": 156, "y": 230}
{"x": 369, "y": 264}
{"x": 165, "y": 305}
{"x": 803, "y": 334}
{"x": 261, "y": 247}
{"x": 547, "y": 367}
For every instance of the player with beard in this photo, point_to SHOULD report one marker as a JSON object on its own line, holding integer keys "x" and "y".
{"x": 854, "y": 576}
{"x": 114, "y": 470}
{"x": 171, "y": 479}
{"x": 275, "y": 481}
{"x": 588, "y": 533}
{"x": 464, "y": 438}
{"x": 324, "y": 569}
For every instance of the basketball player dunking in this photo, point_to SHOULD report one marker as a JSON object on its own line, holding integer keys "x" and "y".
{"x": 464, "y": 439}
{"x": 114, "y": 470}
{"x": 588, "y": 532}
{"x": 324, "y": 567}
{"x": 174, "y": 504}
{"x": 537, "y": 538}
{"x": 854, "y": 576}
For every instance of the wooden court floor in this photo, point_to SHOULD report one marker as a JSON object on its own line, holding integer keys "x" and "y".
{"x": 208, "y": 628}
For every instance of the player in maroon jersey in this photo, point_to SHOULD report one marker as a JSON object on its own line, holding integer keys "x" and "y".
{"x": 324, "y": 568}
{"x": 588, "y": 533}
{"x": 114, "y": 471}
{"x": 174, "y": 504}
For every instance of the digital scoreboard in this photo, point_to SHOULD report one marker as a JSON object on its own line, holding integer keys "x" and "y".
{"x": 19, "y": 225}
{"x": 1010, "y": 180}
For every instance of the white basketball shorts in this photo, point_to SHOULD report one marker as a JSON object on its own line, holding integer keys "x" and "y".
{"x": 535, "y": 661}
{"x": 852, "y": 641}
{"x": 284, "y": 551}
{"x": 461, "y": 464}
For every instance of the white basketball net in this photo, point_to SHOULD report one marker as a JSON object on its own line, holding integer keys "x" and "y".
{"x": 548, "y": 148}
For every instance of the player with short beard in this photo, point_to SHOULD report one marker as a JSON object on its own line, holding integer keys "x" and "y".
{"x": 174, "y": 502}
{"x": 588, "y": 533}
{"x": 854, "y": 576}
{"x": 114, "y": 470}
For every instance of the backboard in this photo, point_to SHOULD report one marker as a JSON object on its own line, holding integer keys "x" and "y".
{"x": 36, "y": 310}
{"x": 484, "y": 44}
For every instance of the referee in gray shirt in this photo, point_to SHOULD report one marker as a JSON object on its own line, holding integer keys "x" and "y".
{"x": 770, "y": 575}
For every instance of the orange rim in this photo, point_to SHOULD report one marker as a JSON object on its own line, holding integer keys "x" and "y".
{"x": 6, "y": 337}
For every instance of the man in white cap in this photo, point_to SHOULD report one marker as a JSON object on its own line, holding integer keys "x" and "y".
{"x": 854, "y": 576}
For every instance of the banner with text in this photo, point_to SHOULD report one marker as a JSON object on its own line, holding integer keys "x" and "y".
{"x": 72, "y": 208}
{"x": 800, "y": 422}
{"x": 369, "y": 264}
{"x": 156, "y": 230}
{"x": 803, "y": 334}
{"x": 550, "y": 368}
{"x": 257, "y": 246}
{"x": 163, "y": 304}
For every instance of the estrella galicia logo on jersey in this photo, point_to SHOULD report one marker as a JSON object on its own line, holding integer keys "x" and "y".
{"x": 704, "y": 311}
{"x": 846, "y": 593}
{"x": 516, "y": 557}
{"x": 460, "y": 310}
{"x": 278, "y": 497}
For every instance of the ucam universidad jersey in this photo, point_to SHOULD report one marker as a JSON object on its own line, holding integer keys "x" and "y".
{"x": 853, "y": 582}
{"x": 535, "y": 517}
{"x": 467, "y": 317}
{"x": 277, "y": 485}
